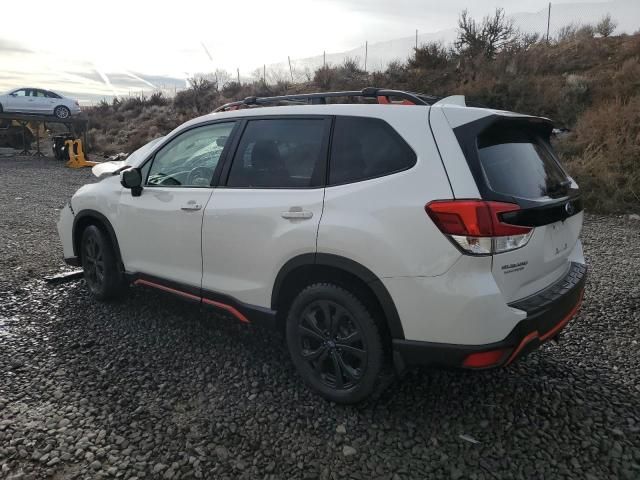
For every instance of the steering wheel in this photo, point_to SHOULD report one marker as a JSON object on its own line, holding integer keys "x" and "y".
{"x": 200, "y": 176}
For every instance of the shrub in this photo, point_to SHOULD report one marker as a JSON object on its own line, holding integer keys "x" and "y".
{"x": 606, "y": 26}
{"x": 488, "y": 37}
{"x": 603, "y": 154}
{"x": 429, "y": 56}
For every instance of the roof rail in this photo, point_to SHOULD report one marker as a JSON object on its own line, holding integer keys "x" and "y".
{"x": 383, "y": 96}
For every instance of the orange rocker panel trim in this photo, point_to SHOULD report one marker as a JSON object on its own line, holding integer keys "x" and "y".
{"x": 232, "y": 310}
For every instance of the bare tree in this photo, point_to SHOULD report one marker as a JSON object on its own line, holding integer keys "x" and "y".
{"x": 606, "y": 26}
{"x": 488, "y": 37}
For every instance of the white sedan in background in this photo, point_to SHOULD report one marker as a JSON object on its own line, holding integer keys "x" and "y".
{"x": 38, "y": 100}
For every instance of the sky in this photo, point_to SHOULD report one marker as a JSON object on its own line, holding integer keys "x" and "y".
{"x": 111, "y": 47}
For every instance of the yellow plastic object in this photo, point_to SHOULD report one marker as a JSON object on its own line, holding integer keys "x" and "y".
{"x": 76, "y": 155}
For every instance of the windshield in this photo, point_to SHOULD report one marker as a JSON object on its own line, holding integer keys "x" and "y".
{"x": 520, "y": 163}
{"x": 137, "y": 156}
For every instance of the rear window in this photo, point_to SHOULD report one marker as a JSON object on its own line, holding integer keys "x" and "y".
{"x": 520, "y": 163}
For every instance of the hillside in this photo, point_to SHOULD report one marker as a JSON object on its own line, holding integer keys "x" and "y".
{"x": 587, "y": 84}
{"x": 625, "y": 13}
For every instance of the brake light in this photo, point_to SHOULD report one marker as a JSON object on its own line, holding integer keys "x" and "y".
{"x": 475, "y": 226}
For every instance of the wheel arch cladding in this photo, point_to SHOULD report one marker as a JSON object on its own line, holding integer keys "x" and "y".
{"x": 85, "y": 218}
{"x": 309, "y": 268}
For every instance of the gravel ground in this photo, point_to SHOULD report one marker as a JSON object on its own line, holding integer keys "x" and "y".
{"x": 151, "y": 387}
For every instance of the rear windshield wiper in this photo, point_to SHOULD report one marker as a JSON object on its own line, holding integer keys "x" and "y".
{"x": 559, "y": 186}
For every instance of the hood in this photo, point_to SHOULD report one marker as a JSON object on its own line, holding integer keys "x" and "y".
{"x": 133, "y": 160}
{"x": 107, "y": 168}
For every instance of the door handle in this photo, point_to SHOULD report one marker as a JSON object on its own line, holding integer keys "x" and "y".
{"x": 296, "y": 213}
{"x": 191, "y": 206}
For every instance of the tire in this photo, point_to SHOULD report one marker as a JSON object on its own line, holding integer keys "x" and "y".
{"x": 62, "y": 112}
{"x": 334, "y": 343}
{"x": 100, "y": 265}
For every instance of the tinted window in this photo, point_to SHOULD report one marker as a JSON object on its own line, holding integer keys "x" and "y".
{"x": 51, "y": 94}
{"x": 366, "y": 148}
{"x": 284, "y": 153}
{"x": 520, "y": 163}
{"x": 190, "y": 159}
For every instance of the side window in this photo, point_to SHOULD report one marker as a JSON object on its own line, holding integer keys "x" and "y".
{"x": 51, "y": 94}
{"x": 365, "y": 148}
{"x": 280, "y": 153}
{"x": 39, "y": 93}
{"x": 190, "y": 159}
{"x": 20, "y": 93}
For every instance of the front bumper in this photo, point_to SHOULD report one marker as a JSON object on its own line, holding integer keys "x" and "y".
{"x": 548, "y": 312}
{"x": 65, "y": 232}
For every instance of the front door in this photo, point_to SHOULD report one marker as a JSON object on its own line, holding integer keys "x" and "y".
{"x": 269, "y": 208}
{"x": 160, "y": 231}
{"x": 19, "y": 101}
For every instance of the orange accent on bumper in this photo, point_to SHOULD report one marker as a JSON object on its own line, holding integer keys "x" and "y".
{"x": 484, "y": 359}
{"x": 550, "y": 334}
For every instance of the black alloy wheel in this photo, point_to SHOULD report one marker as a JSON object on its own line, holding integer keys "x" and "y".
{"x": 93, "y": 263}
{"x": 100, "y": 264}
{"x": 334, "y": 343}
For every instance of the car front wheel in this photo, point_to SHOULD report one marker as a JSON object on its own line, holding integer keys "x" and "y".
{"x": 62, "y": 112}
{"x": 100, "y": 265}
{"x": 335, "y": 343}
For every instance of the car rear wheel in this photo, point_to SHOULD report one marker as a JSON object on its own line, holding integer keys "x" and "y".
{"x": 334, "y": 343}
{"x": 100, "y": 265}
{"x": 62, "y": 112}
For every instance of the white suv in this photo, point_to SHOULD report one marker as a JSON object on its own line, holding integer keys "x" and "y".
{"x": 406, "y": 232}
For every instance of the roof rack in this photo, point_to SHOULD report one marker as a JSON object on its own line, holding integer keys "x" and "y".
{"x": 383, "y": 96}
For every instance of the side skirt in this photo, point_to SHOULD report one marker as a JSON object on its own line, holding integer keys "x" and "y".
{"x": 243, "y": 312}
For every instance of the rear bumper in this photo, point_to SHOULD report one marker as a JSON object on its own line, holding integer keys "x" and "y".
{"x": 548, "y": 312}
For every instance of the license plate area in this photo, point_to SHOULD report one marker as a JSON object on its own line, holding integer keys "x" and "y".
{"x": 557, "y": 241}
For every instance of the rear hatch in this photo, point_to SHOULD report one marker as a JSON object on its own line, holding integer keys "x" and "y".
{"x": 512, "y": 161}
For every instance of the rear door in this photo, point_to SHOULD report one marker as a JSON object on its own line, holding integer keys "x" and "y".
{"x": 512, "y": 161}
{"x": 267, "y": 208}
{"x": 43, "y": 103}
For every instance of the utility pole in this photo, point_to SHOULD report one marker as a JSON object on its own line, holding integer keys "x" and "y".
{"x": 324, "y": 58}
{"x": 264, "y": 73}
{"x": 366, "y": 52}
{"x": 548, "y": 21}
{"x": 238, "y": 70}
{"x": 290, "y": 69}
{"x": 416, "y": 39}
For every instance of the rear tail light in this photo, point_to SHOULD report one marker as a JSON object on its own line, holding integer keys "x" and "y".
{"x": 475, "y": 226}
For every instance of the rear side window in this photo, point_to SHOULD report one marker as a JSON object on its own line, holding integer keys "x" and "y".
{"x": 364, "y": 148}
{"x": 520, "y": 163}
{"x": 280, "y": 153}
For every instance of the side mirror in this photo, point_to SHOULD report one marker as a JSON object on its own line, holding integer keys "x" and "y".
{"x": 132, "y": 178}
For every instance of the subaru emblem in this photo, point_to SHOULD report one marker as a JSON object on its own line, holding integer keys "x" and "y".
{"x": 569, "y": 208}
